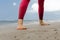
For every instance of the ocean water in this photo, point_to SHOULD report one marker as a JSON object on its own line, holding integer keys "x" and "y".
{"x": 27, "y": 22}
{"x": 7, "y": 22}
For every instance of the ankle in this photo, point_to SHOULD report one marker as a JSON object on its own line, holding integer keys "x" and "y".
{"x": 41, "y": 21}
{"x": 20, "y": 21}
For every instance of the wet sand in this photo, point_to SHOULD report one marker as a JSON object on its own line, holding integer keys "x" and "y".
{"x": 34, "y": 32}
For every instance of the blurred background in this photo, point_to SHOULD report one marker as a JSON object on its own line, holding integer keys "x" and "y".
{"x": 9, "y": 10}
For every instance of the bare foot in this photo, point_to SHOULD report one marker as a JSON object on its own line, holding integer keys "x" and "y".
{"x": 21, "y": 27}
{"x": 42, "y": 23}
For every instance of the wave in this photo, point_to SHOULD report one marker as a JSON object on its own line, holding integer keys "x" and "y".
{"x": 37, "y": 22}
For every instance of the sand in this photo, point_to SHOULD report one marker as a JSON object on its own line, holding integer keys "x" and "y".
{"x": 34, "y": 32}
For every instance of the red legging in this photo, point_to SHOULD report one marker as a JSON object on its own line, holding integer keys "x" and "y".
{"x": 24, "y": 5}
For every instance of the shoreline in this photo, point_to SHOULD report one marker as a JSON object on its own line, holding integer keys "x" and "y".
{"x": 34, "y": 32}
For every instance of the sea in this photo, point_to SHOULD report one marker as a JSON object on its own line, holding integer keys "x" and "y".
{"x": 26, "y": 22}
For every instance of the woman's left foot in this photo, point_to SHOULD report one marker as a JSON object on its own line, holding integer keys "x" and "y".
{"x": 42, "y": 23}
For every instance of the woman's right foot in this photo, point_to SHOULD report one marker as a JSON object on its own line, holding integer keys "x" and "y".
{"x": 20, "y": 25}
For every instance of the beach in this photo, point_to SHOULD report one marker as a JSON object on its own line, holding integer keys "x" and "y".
{"x": 34, "y": 32}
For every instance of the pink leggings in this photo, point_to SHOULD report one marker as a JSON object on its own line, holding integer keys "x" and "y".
{"x": 24, "y": 5}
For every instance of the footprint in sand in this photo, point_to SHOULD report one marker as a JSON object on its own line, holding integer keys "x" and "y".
{"x": 14, "y": 36}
